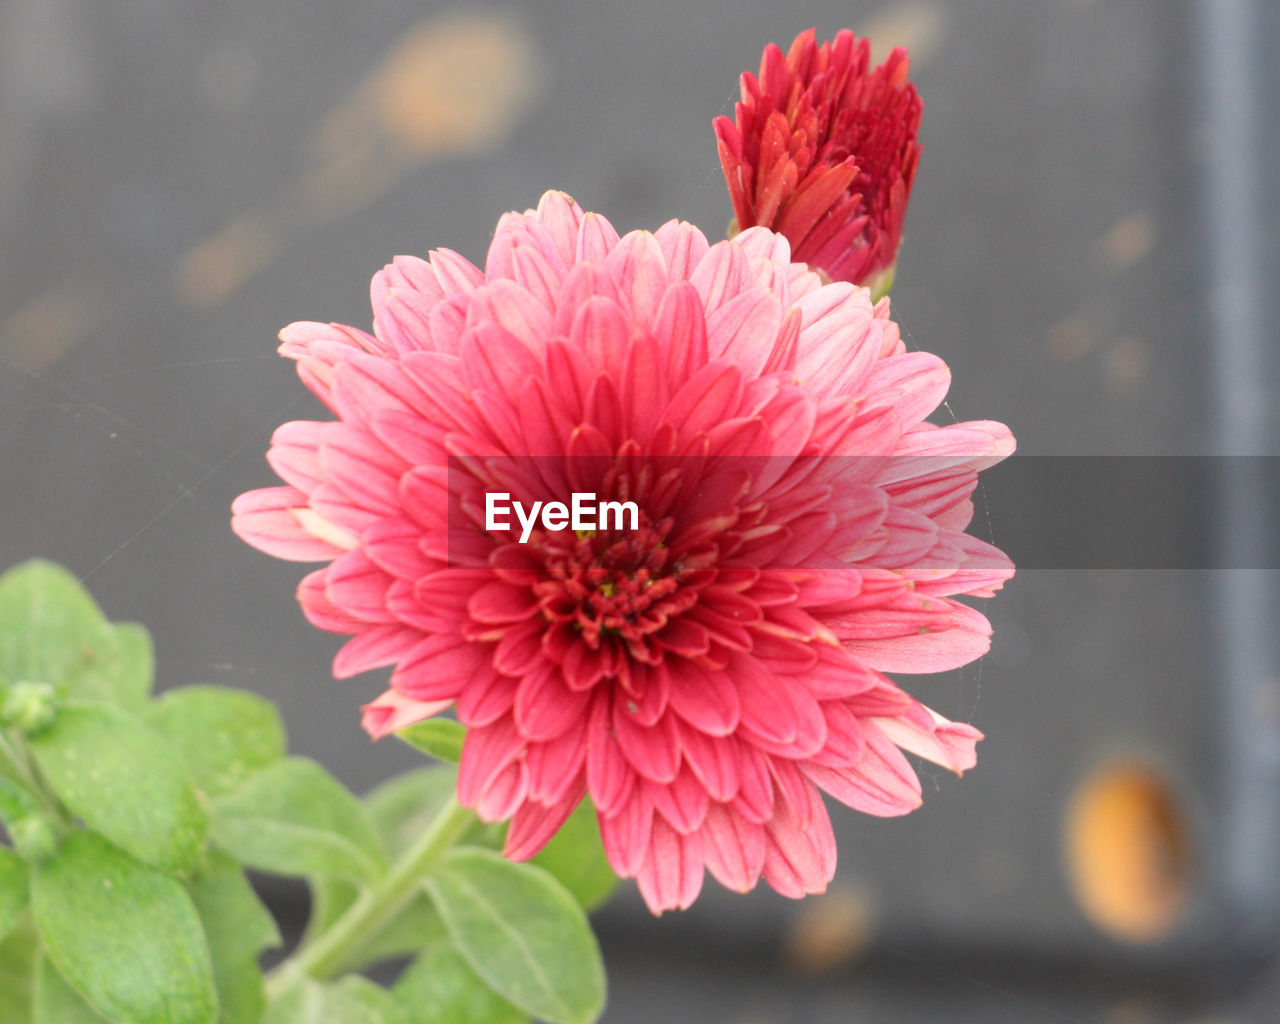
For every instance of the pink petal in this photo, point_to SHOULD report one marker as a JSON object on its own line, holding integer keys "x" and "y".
{"x": 653, "y": 751}
{"x": 557, "y": 766}
{"x": 439, "y": 667}
{"x": 638, "y": 265}
{"x": 927, "y": 734}
{"x": 610, "y": 778}
{"x": 535, "y": 823}
{"x": 545, "y": 707}
{"x": 964, "y": 636}
{"x": 374, "y": 648}
{"x": 734, "y": 848}
{"x": 683, "y": 246}
{"x": 800, "y": 859}
{"x": 295, "y": 453}
{"x": 394, "y": 711}
{"x": 486, "y": 751}
{"x": 560, "y": 215}
{"x": 682, "y": 802}
{"x": 626, "y": 834}
{"x": 268, "y": 520}
{"x": 713, "y": 761}
{"x": 882, "y": 783}
{"x": 504, "y": 793}
{"x": 671, "y": 876}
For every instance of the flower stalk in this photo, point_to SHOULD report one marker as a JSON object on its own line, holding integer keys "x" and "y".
{"x": 325, "y": 956}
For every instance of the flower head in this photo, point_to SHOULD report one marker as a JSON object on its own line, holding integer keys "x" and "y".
{"x": 824, "y": 152}
{"x": 707, "y": 671}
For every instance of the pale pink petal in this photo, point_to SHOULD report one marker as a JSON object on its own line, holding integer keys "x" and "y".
{"x": 269, "y": 520}
{"x": 394, "y": 711}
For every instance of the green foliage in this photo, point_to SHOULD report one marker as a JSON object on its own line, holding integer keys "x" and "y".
{"x": 52, "y": 631}
{"x": 30, "y": 829}
{"x": 522, "y": 932}
{"x": 352, "y": 1000}
{"x": 294, "y": 818}
{"x": 28, "y": 707}
{"x": 439, "y": 987}
{"x": 225, "y": 736}
{"x": 126, "y": 781}
{"x": 125, "y": 936}
{"x": 123, "y": 896}
{"x": 13, "y": 889}
{"x": 401, "y": 810}
{"x": 575, "y": 855}
{"x": 18, "y": 960}
{"x": 440, "y": 737}
{"x": 56, "y": 1002}
{"x": 237, "y": 928}
{"x": 403, "y": 806}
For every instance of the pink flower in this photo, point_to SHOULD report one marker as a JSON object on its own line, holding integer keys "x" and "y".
{"x": 824, "y": 152}
{"x": 707, "y": 674}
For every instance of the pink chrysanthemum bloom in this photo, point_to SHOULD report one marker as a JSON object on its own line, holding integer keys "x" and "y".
{"x": 706, "y": 675}
{"x": 824, "y": 152}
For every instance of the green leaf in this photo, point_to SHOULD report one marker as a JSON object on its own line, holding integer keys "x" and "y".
{"x": 439, "y": 737}
{"x": 56, "y": 1002}
{"x": 13, "y": 888}
{"x": 16, "y": 802}
{"x": 130, "y": 672}
{"x": 18, "y": 952}
{"x": 9, "y": 768}
{"x": 294, "y": 818}
{"x": 352, "y": 1000}
{"x": 52, "y": 631}
{"x": 126, "y": 781}
{"x": 575, "y": 855}
{"x": 439, "y": 987}
{"x": 401, "y": 809}
{"x": 238, "y": 928}
{"x": 125, "y": 936}
{"x": 403, "y": 806}
{"x": 522, "y": 932}
{"x": 225, "y": 735}
{"x": 409, "y": 931}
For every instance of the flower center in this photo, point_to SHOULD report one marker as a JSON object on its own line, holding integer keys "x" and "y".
{"x": 616, "y": 583}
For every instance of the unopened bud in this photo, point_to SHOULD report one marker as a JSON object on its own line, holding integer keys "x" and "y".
{"x": 35, "y": 838}
{"x": 29, "y": 707}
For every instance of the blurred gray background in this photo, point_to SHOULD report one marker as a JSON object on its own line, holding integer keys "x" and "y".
{"x": 1090, "y": 246}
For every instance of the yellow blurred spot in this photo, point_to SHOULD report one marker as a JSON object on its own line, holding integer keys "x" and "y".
{"x": 1126, "y": 365}
{"x": 1129, "y": 240}
{"x": 830, "y": 931}
{"x": 918, "y": 25}
{"x": 453, "y": 84}
{"x": 53, "y": 322}
{"x": 1070, "y": 339}
{"x": 1129, "y": 853}
{"x": 211, "y": 271}
{"x": 1131, "y": 1011}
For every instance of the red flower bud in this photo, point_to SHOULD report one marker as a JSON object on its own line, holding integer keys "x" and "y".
{"x": 824, "y": 152}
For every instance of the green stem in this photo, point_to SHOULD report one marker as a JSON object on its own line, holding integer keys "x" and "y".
{"x": 23, "y": 770}
{"x": 378, "y": 905}
{"x": 9, "y": 755}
